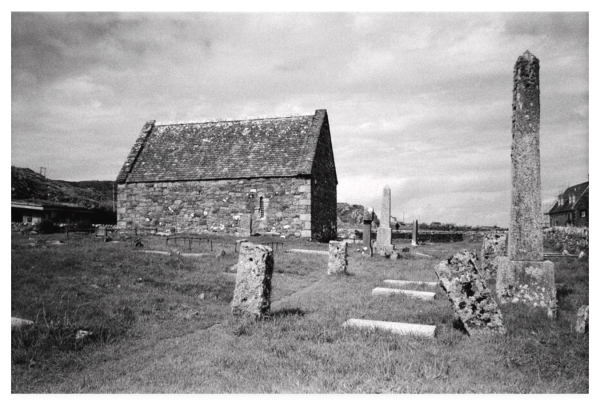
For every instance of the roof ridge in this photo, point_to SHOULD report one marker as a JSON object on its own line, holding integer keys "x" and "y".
{"x": 242, "y": 119}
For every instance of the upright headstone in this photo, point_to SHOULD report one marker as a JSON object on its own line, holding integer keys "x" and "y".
{"x": 252, "y": 294}
{"x": 384, "y": 232}
{"x": 415, "y": 233}
{"x": 338, "y": 258}
{"x": 523, "y": 275}
{"x": 367, "y": 221}
{"x": 471, "y": 300}
{"x": 583, "y": 319}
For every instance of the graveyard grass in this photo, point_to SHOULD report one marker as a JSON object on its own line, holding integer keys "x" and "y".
{"x": 163, "y": 324}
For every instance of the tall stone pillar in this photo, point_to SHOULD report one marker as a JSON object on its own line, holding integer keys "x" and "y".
{"x": 415, "y": 233}
{"x": 384, "y": 232}
{"x": 524, "y": 276}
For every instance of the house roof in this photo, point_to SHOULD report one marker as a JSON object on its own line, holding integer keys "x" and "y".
{"x": 577, "y": 191}
{"x": 229, "y": 149}
{"x": 38, "y": 204}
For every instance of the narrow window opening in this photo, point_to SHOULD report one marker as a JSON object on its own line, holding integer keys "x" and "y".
{"x": 261, "y": 208}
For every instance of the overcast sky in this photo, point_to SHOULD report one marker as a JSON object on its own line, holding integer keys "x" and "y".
{"x": 421, "y": 102}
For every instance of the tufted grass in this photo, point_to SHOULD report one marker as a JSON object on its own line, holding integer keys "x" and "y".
{"x": 162, "y": 324}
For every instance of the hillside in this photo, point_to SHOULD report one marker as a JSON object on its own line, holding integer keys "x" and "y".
{"x": 27, "y": 184}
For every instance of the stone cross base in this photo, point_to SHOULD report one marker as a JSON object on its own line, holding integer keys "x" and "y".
{"x": 383, "y": 249}
{"x": 527, "y": 282}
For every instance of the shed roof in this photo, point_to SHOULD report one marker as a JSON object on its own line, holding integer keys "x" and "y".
{"x": 229, "y": 149}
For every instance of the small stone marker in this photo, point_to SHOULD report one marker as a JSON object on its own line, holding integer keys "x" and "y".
{"x": 384, "y": 232}
{"x": 523, "y": 275}
{"x": 252, "y": 295}
{"x": 402, "y": 283}
{"x": 494, "y": 245}
{"x": 101, "y": 231}
{"x": 471, "y": 300}
{"x": 338, "y": 258}
{"x": 403, "y": 329}
{"x": 583, "y": 319}
{"x": 415, "y": 233}
{"x": 410, "y": 293}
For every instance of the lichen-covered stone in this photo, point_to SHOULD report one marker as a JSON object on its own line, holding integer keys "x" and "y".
{"x": 583, "y": 319}
{"x": 252, "y": 295}
{"x": 338, "y": 258}
{"x": 527, "y": 282}
{"x": 471, "y": 300}
{"x": 525, "y": 240}
{"x": 494, "y": 245}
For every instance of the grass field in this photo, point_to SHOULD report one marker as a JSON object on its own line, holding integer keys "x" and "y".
{"x": 162, "y": 324}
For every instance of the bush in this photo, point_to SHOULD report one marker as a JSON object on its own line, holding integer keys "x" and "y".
{"x": 45, "y": 226}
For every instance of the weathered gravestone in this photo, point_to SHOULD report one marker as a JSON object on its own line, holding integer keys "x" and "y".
{"x": 367, "y": 221}
{"x": 415, "y": 233}
{"x": 252, "y": 295}
{"x": 384, "y": 232}
{"x": 101, "y": 231}
{"x": 338, "y": 258}
{"x": 523, "y": 275}
{"x": 583, "y": 319}
{"x": 494, "y": 245}
{"x": 471, "y": 300}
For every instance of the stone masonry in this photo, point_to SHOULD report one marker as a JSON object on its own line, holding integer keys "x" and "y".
{"x": 523, "y": 276}
{"x": 252, "y": 294}
{"x": 338, "y": 258}
{"x": 494, "y": 245}
{"x": 217, "y": 206}
{"x": 471, "y": 300}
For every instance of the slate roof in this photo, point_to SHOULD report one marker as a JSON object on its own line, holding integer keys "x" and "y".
{"x": 577, "y": 191}
{"x": 246, "y": 148}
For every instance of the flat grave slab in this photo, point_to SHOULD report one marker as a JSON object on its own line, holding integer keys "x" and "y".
{"x": 402, "y": 329}
{"x": 308, "y": 251}
{"x": 402, "y": 283}
{"x": 410, "y": 293}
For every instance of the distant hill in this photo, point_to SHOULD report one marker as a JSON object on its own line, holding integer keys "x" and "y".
{"x": 349, "y": 215}
{"x": 29, "y": 185}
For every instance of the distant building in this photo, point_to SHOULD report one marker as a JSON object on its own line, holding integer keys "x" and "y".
{"x": 33, "y": 211}
{"x": 571, "y": 207}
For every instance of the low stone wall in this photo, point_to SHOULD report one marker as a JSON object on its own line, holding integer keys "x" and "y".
{"x": 572, "y": 239}
{"x": 430, "y": 236}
